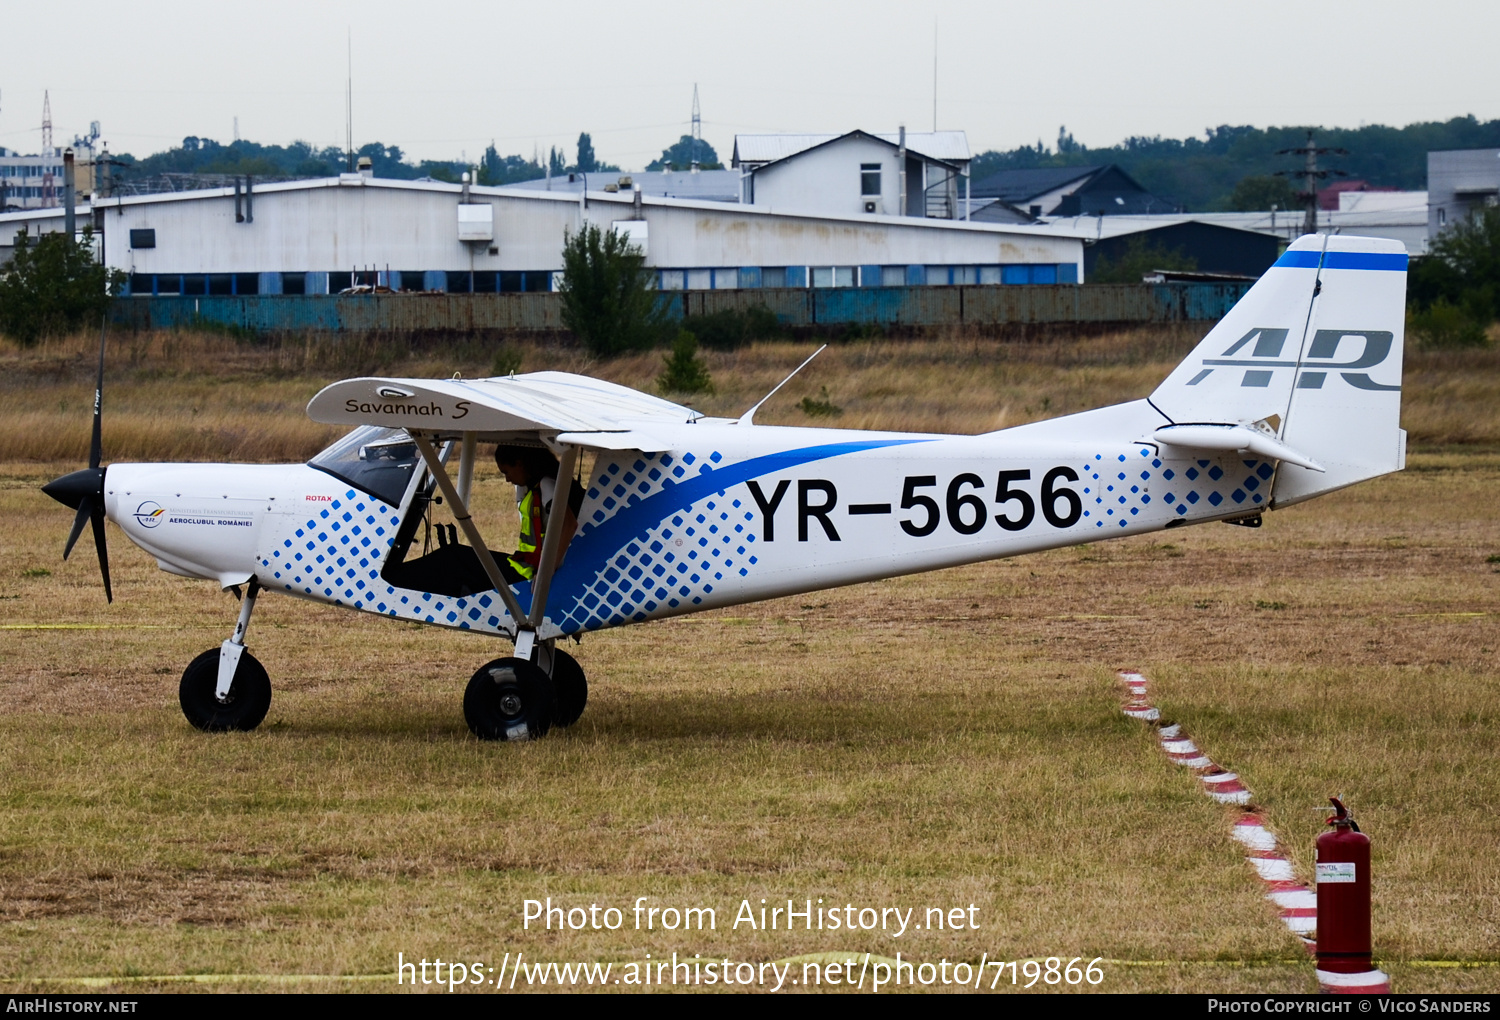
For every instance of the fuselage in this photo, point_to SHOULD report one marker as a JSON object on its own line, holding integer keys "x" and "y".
{"x": 730, "y": 514}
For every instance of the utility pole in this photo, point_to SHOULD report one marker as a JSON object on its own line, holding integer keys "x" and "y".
{"x": 1311, "y": 175}
{"x": 697, "y": 130}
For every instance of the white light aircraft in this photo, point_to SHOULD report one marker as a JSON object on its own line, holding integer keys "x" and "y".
{"x": 1295, "y": 393}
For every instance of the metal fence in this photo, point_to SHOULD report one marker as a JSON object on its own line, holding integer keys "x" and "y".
{"x": 522, "y": 313}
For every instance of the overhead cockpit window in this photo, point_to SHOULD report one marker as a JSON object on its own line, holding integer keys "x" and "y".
{"x": 378, "y": 460}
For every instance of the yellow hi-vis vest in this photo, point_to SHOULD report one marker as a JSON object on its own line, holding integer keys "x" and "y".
{"x": 529, "y": 547}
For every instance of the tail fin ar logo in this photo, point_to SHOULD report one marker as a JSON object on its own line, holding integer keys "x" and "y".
{"x": 1265, "y": 358}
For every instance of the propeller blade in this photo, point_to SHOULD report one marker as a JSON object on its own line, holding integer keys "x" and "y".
{"x": 85, "y": 511}
{"x": 98, "y": 520}
{"x": 96, "y": 443}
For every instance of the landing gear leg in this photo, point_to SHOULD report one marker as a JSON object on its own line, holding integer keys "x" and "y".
{"x": 226, "y": 688}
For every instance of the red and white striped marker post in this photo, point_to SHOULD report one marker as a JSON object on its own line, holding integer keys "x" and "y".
{"x": 1344, "y": 950}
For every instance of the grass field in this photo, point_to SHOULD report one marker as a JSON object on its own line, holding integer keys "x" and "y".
{"x": 939, "y": 740}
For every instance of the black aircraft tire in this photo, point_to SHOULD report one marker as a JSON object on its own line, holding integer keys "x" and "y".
{"x": 249, "y": 695}
{"x": 509, "y": 699}
{"x": 571, "y": 687}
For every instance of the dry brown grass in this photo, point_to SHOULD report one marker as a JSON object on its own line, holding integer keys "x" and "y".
{"x": 946, "y": 738}
{"x": 198, "y": 396}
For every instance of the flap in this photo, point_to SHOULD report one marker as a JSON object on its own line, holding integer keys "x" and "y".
{"x": 630, "y": 440}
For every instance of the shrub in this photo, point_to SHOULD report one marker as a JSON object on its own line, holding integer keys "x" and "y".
{"x": 726, "y": 330}
{"x": 1462, "y": 271}
{"x": 1137, "y": 258}
{"x": 823, "y": 407}
{"x": 684, "y": 371}
{"x": 1447, "y": 325}
{"x": 52, "y": 285}
{"x": 507, "y": 360}
{"x": 609, "y": 297}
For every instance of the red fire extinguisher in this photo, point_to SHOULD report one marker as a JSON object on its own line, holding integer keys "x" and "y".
{"x": 1343, "y": 873}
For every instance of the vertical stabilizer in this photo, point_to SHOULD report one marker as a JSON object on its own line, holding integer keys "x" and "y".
{"x": 1345, "y": 408}
{"x": 1312, "y": 354}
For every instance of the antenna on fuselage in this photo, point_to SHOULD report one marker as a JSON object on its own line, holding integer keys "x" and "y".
{"x": 748, "y": 418}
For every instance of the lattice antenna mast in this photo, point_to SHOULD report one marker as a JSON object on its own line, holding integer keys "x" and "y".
{"x": 1311, "y": 175}
{"x": 697, "y": 129}
{"x": 49, "y": 182}
{"x": 349, "y": 100}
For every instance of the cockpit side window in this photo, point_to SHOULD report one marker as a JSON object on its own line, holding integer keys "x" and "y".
{"x": 377, "y": 460}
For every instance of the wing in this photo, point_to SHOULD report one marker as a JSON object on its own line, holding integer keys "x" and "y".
{"x": 560, "y": 405}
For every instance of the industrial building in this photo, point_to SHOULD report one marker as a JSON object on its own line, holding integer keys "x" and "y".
{"x": 1459, "y": 182}
{"x": 1216, "y": 249}
{"x": 31, "y": 182}
{"x": 328, "y": 235}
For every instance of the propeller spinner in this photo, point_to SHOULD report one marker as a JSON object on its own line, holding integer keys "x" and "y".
{"x": 84, "y": 490}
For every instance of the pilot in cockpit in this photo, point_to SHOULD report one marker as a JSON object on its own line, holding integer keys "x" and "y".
{"x": 533, "y": 471}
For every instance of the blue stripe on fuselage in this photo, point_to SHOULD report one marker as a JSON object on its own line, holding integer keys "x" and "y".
{"x": 590, "y": 549}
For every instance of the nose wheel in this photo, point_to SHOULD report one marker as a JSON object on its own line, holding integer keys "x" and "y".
{"x": 242, "y": 708}
{"x": 226, "y": 688}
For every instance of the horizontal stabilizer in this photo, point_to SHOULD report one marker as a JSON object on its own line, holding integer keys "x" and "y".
{"x": 1233, "y": 439}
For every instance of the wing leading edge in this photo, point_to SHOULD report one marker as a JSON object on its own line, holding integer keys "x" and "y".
{"x": 561, "y": 405}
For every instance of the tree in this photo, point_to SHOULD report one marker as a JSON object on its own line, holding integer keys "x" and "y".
{"x": 1262, "y": 192}
{"x": 557, "y": 162}
{"x": 53, "y": 285}
{"x": 587, "y": 162}
{"x": 680, "y": 155}
{"x": 682, "y": 370}
{"x": 1454, "y": 293}
{"x": 495, "y": 169}
{"x": 1138, "y": 258}
{"x": 1470, "y": 251}
{"x": 609, "y": 297}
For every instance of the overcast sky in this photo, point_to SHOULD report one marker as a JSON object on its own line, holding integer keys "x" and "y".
{"x": 439, "y": 79}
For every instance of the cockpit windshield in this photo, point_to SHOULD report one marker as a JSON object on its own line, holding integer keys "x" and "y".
{"x": 378, "y": 460}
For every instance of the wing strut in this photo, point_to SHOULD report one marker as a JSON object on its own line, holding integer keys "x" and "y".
{"x": 552, "y": 540}
{"x": 461, "y": 515}
{"x": 466, "y": 465}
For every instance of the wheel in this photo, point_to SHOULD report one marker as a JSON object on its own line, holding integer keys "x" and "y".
{"x": 249, "y": 695}
{"x": 571, "y": 687}
{"x": 509, "y": 699}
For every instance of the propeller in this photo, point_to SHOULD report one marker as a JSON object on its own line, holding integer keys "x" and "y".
{"x": 84, "y": 490}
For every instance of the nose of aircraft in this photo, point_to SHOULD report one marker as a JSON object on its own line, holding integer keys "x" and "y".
{"x": 83, "y": 491}
{"x": 72, "y": 489}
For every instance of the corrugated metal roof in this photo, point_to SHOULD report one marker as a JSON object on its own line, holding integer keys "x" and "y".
{"x": 1019, "y": 185}
{"x": 952, "y": 146}
{"x": 1099, "y": 227}
{"x": 705, "y": 185}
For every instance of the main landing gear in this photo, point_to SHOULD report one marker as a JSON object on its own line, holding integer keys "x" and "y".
{"x": 515, "y": 698}
{"x": 519, "y": 697}
{"x": 226, "y": 688}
